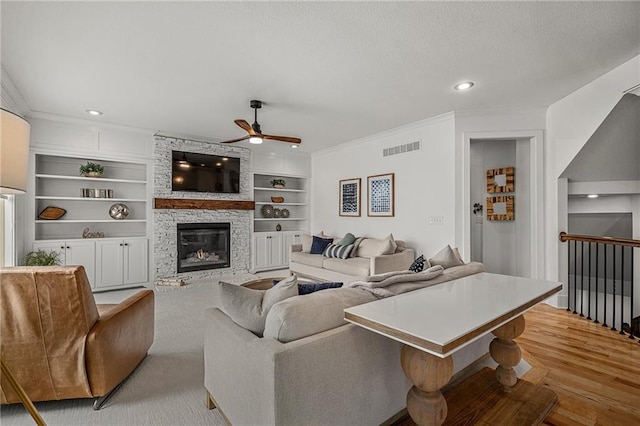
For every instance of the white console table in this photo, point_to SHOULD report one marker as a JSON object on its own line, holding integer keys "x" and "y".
{"x": 435, "y": 322}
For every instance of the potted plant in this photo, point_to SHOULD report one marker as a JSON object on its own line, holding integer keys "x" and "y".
{"x": 41, "y": 258}
{"x": 278, "y": 183}
{"x": 91, "y": 170}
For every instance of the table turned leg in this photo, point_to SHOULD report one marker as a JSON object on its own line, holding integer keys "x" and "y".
{"x": 506, "y": 352}
{"x": 429, "y": 374}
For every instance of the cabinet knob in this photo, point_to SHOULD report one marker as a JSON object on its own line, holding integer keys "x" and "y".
{"x": 121, "y": 244}
{"x": 61, "y": 247}
{"x": 126, "y": 244}
{"x": 68, "y": 247}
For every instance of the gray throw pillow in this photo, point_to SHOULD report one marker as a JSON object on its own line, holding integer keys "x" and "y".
{"x": 249, "y": 308}
{"x": 447, "y": 258}
{"x": 346, "y": 240}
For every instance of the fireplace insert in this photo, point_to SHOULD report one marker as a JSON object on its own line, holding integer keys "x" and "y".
{"x": 203, "y": 246}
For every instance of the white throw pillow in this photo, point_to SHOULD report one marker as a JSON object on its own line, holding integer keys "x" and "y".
{"x": 249, "y": 308}
{"x": 370, "y": 247}
{"x": 307, "y": 241}
{"x": 447, "y": 258}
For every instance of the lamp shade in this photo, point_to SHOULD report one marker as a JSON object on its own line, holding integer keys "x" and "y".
{"x": 14, "y": 153}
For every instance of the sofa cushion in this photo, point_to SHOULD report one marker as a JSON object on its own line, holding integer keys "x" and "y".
{"x": 304, "y": 316}
{"x": 338, "y": 251}
{"x": 447, "y": 258}
{"x": 307, "y": 259}
{"x": 307, "y": 239}
{"x": 356, "y": 244}
{"x": 249, "y": 308}
{"x": 319, "y": 244}
{"x": 357, "y": 266}
{"x": 371, "y": 247}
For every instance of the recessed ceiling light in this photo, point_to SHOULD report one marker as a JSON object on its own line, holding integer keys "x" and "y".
{"x": 465, "y": 85}
{"x": 592, "y": 196}
{"x": 219, "y": 164}
{"x": 94, "y": 112}
{"x": 225, "y": 159}
{"x": 294, "y": 146}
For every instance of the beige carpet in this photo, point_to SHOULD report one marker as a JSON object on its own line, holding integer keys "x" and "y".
{"x": 166, "y": 389}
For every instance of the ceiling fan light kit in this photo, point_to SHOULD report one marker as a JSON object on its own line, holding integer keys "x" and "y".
{"x": 254, "y": 132}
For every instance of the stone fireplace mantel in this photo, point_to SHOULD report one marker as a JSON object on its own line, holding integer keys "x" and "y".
{"x": 186, "y": 203}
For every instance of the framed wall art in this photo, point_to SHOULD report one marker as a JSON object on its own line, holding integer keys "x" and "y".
{"x": 501, "y": 180}
{"x": 350, "y": 197}
{"x": 380, "y": 195}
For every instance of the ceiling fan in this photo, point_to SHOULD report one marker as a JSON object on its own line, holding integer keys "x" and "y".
{"x": 255, "y": 134}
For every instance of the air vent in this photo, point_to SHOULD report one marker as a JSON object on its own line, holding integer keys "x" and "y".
{"x": 402, "y": 149}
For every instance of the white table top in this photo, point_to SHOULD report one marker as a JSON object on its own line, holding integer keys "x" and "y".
{"x": 445, "y": 317}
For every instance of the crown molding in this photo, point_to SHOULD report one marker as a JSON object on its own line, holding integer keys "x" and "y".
{"x": 12, "y": 99}
{"x": 499, "y": 112}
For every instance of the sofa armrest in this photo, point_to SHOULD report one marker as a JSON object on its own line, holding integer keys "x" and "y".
{"x": 296, "y": 248}
{"x": 119, "y": 341}
{"x": 392, "y": 262}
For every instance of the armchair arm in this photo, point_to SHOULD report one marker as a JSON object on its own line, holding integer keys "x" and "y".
{"x": 392, "y": 262}
{"x": 119, "y": 341}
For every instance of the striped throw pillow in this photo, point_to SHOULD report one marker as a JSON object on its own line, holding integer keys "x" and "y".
{"x": 337, "y": 251}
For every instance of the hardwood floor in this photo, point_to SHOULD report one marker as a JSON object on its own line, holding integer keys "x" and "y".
{"x": 594, "y": 371}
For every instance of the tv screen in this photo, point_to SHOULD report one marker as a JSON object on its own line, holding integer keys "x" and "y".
{"x": 204, "y": 173}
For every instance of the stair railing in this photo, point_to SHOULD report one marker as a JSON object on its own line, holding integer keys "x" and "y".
{"x": 596, "y": 270}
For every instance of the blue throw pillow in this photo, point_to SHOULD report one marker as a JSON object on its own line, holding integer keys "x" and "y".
{"x": 310, "y": 288}
{"x": 418, "y": 264}
{"x": 319, "y": 244}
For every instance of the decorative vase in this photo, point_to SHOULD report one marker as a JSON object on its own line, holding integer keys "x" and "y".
{"x": 119, "y": 211}
{"x": 278, "y": 186}
{"x": 278, "y": 227}
{"x": 277, "y": 212}
{"x": 92, "y": 174}
{"x": 285, "y": 213}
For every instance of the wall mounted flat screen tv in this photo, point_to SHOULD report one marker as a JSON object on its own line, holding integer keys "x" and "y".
{"x": 204, "y": 173}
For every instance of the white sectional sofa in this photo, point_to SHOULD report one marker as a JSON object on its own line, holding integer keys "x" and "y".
{"x": 365, "y": 260}
{"x": 310, "y": 367}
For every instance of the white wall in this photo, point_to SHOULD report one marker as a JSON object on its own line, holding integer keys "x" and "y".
{"x": 424, "y": 185}
{"x": 570, "y": 123}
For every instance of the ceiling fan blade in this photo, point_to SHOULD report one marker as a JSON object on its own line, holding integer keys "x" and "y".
{"x": 282, "y": 139}
{"x": 246, "y": 126}
{"x": 237, "y": 140}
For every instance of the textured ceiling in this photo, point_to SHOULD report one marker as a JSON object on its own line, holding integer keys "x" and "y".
{"x": 328, "y": 72}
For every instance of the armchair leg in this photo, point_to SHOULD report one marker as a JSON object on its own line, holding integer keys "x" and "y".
{"x": 101, "y": 400}
{"x": 211, "y": 404}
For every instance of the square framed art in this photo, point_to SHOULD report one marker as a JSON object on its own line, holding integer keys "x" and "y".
{"x": 380, "y": 195}
{"x": 350, "y": 197}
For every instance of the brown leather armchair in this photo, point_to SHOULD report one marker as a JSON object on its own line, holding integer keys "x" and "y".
{"x": 59, "y": 344}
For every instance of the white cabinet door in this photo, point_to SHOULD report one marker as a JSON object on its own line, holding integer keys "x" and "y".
{"x": 73, "y": 253}
{"x": 82, "y": 253}
{"x": 267, "y": 251}
{"x": 289, "y": 240}
{"x": 109, "y": 263}
{"x": 135, "y": 260}
{"x": 56, "y": 246}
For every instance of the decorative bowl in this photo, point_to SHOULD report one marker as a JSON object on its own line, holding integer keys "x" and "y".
{"x": 277, "y": 212}
{"x": 277, "y": 199}
{"x": 285, "y": 213}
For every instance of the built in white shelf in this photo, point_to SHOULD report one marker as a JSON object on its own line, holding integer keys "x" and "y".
{"x": 95, "y": 179}
{"x": 72, "y": 237}
{"x": 46, "y": 197}
{"x": 279, "y": 218}
{"x": 92, "y": 221}
{"x": 279, "y": 190}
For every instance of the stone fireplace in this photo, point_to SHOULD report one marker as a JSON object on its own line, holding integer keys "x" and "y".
{"x": 196, "y": 208}
{"x": 203, "y": 246}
